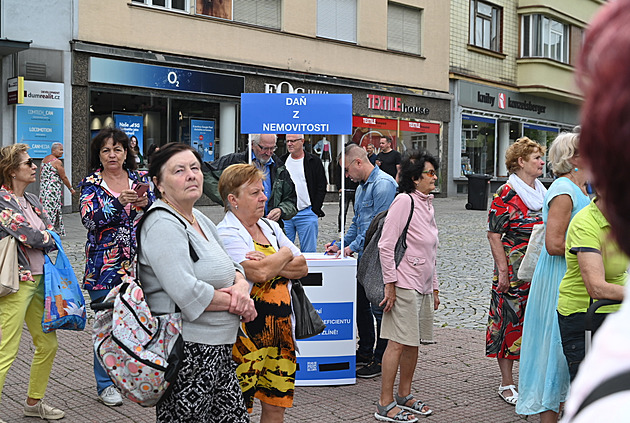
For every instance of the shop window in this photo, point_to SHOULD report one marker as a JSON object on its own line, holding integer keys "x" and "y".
{"x": 258, "y": 12}
{"x": 485, "y": 25}
{"x": 544, "y": 135}
{"x": 167, "y": 4}
{"x": 196, "y": 123}
{"x": 545, "y": 37}
{"x": 337, "y": 19}
{"x": 403, "y": 28}
{"x": 478, "y": 145}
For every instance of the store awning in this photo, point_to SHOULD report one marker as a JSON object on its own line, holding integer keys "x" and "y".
{"x": 12, "y": 46}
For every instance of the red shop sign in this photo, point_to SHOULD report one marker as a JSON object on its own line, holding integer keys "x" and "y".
{"x": 371, "y": 122}
{"x": 412, "y": 126}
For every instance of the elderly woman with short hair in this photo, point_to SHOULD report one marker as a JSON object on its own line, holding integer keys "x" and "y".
{"x": 411, "y": 289}
{"x": 211, "y": 292}
{"x": 515, "y": 210}
{"x": 265, "y": 354}
{"x": 22, "y": 217}
{"x": 543, "y": 373}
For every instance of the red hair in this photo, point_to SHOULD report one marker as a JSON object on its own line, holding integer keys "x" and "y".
{"x": 604, "y": 77}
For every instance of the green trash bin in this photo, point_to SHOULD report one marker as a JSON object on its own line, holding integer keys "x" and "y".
{"x": 478, "y": 187}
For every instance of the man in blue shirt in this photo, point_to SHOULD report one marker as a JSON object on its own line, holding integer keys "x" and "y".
{"x": 375, "y": 193}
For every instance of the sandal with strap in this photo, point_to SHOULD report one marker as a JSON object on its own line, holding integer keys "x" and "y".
{"x": 415, "y": 408}
{"x": 401, "y": 416}
{"x": 512, "y": 399}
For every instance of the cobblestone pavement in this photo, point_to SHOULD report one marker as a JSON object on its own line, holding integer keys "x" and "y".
{"x": 452, "y": 376}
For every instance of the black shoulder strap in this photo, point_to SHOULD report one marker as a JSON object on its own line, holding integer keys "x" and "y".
{"x": 404, "y": 232}
{"x": 191, "y": 249}
{"x": 610, "y": 386}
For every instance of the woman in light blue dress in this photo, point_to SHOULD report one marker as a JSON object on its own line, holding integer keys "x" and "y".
{"x": 543, "y": 371}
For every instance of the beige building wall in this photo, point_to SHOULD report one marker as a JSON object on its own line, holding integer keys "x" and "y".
{"x": 294, "y": 48}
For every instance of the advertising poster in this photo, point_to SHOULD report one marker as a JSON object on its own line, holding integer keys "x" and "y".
{"x": 39, "y": 121}
{"x": 202, "y": 138}
{"x": 132, "y": 126}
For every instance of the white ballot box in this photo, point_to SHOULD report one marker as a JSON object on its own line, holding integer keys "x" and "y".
{"x": 329, "y": 358}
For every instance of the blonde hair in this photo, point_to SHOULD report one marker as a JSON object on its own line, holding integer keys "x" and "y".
{"x": 234, "y": 177}
{"x": 563, "y": 149}
{"x": 522, "y": 148}
{"x": 10, "y": 158}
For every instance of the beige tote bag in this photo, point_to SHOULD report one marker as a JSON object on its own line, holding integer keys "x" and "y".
{"x": 9, "y": 277}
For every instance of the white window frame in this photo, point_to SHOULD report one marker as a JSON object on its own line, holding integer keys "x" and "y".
{"x": 407, "y": 32}
{"x": 168, "y": 4}
{"x": 538, "y": 31}
{"x": 489, "y": 36}
{"x": 339, "y": 29}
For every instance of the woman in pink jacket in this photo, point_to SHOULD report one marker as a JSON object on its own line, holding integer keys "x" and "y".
{"x": 411, "y": 289}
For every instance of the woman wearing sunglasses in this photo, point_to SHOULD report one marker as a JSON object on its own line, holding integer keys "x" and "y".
{"x": 411, "y": 288}
{"x": 22, "y": 216}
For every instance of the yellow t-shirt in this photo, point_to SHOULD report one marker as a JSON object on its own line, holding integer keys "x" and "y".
{"x": 589, "y": 230}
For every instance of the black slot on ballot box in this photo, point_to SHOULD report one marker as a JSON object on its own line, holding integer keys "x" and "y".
{"x": 312, "y": 279}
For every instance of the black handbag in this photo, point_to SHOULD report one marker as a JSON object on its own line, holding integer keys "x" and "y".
{"x": 307, "y": 320}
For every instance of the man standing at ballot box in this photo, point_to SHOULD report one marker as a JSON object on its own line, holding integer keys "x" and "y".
{"x": 281, "y": 197}
{"x": 307, "y": 173}
{"x": 375, "y": 193}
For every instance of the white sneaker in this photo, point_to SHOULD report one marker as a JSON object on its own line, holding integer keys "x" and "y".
{"x": 110, "y": 396}
{"x": 43, "y": 411}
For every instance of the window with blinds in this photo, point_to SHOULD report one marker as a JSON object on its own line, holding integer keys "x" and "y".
{"x": 404, "y": 28}
{"x": 258, "y": 12}
{"x": 337, "y": 19}
{"x": 168, "y": 4}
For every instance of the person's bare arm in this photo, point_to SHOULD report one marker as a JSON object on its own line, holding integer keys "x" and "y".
{"x": 267, "y": 268}
{"x": 557, "y": 224}
{"x": 295, "y": 269}
{"x": 62, "y": 174}
{"x": 500, "y": 259}
{"x": 593, "y": 275}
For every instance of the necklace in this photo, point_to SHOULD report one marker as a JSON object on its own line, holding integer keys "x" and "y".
{"x": 191, "y": 221}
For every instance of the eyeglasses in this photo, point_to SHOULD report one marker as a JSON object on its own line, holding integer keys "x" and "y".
{"x": 269, "y": 149}
{"x": 347, "y": 168}
{"x": 292, "y": 141}
{"x": 430, "y": 172}
{"x": 29, "y": 162}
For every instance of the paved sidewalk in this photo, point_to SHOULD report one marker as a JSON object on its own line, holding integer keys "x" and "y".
{"x": 452, "y": 376}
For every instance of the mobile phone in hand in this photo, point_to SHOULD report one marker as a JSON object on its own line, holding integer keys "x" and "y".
{"x": 141, "y": 188}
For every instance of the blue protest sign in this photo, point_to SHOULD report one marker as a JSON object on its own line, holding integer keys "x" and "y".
{"x": 296, "y": 113}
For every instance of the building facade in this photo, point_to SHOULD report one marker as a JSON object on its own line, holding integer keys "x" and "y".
{"x": 166, "y": 68}
{"x": 511, "y": 75}
{"x": 35, "y": 69}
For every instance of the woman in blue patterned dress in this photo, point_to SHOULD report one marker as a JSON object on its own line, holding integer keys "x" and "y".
{"x": 110, "y": 208}
{"x": 515, "y": 209}
{"x": 543, "y": 372}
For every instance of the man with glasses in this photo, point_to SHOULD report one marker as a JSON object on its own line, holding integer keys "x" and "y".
{"x": 279, "y": 189}
{"x": 375, "y": 193}
{"x": 307, "y": 173}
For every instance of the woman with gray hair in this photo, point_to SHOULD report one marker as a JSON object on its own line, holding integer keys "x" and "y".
{"x": 543, "y": 371}
{"x": 51, "y": 181}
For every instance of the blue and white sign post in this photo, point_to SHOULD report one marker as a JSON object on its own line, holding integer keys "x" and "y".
{"x": 328, "y": 358}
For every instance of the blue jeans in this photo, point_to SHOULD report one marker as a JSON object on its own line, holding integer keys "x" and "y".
{"x": 365, "y": 316}
{"x": 306, "y": 225}
{"x": 572, "y": 329}
{"x": 100, "y": 374}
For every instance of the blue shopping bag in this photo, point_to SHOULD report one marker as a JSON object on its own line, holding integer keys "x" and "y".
{"x": 64, "y": 305}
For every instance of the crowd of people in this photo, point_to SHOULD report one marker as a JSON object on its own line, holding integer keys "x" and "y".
{"x": 235, "y": 294}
